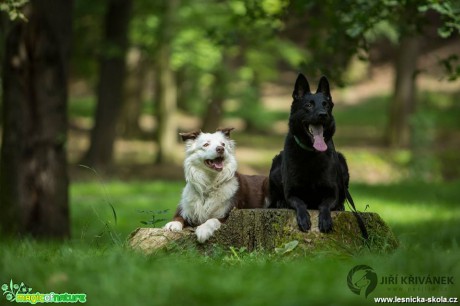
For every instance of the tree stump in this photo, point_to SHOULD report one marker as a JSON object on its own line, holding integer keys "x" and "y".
{"x": 276, "y": 230}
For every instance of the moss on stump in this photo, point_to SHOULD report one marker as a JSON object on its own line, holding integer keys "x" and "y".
{"x": 268, "y": 229}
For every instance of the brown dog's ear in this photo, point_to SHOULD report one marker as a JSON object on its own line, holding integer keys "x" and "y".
{"x": 226, "y": 131}
{"x": 190, "y": 135}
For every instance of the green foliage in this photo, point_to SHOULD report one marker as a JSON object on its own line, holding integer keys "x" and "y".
{"x": 193, "y": 49}
{"x": 154, "y": 219}
{"x": 13, "y": 8}
{"x": 451, "y": 65}
{"x": 341, "y": 29}
{"x": 449, "y": 12}
{"x": 211, "y": 37}
{"x": 235, "y": 255}
{"x": 249, "y": 39}
{"x": 287, "y": 247}
{"x": 337, "y": 32}
{"x": 414, "y": 15}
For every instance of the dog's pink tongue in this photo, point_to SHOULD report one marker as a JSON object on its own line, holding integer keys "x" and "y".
{"x": 218, "y": 164}
{"x": 318, "y": 139}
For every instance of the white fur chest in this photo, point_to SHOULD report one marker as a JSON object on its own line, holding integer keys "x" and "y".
{"x": 200, "y": 203}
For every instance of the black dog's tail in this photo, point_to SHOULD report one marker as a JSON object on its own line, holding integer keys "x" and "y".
{"x": 361, "y": 224}
{"x": 350, "y": 201}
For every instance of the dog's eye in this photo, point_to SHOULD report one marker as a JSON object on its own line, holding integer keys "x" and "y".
{"x": 310, "y": 104}
{"x": 325, "y": 104}
{"x": 223, "y": 144}
{"x": 206, "y": 145}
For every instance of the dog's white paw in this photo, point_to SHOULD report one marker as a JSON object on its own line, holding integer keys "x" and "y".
{"x": 207, "y": 229}
{"x": 174, "y": 226}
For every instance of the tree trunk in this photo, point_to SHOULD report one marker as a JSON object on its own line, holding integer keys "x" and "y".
{"x": 134, "y": 86}
{"x": 33, "y": 167}
{"x": 403, "y": 102}
{"x": 110, "y": 91}
{"x": 271, "y": 230}
{"x": 214, "y": 112}
{"x": 4, "y": 26}
{"x": 251, "y": 107}
{"x": 166, "y": 86}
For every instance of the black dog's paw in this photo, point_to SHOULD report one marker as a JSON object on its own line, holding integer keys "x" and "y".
{"x": 325, "y": 222}
{"x": 303, "y": 220}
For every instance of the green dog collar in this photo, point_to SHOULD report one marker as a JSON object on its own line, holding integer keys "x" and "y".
{"x": 297, "y": 140}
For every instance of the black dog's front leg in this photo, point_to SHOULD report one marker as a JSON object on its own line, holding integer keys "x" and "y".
{"x": 324, "y": 217}
{"x": 303, "y": 217}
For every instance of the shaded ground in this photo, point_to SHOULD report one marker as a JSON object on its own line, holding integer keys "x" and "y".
{"x": 359, "y": 135}
{"x": 361, "y": 116}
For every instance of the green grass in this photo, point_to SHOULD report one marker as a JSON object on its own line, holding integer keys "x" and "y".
{"x": 441, "y": 108}
{"x": 92, "y": 213}
{"x": 369, "y": 114}
{"x": 425, "y": 217}
{"x": 82, "y": 107}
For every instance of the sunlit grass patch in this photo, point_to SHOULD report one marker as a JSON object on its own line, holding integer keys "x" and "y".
{"x": 82, "y": 107}
{"x": 412, "y": 213}
{"x": 92, "y": 204}
{"x": 421, "y": 214}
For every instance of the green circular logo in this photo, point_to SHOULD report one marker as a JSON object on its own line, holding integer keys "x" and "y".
{"x": 362, "y": 280}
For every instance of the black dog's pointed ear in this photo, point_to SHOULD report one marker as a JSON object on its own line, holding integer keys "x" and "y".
{"x": 190, "y": 135}
{"x": 301, "y": 87}
{"x": 323, "y": 86}
{"x": 225, "y": 131}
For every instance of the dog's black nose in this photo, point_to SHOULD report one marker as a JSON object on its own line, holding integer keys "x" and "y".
{"x": 220, "y": 149}
{"x": 322, "y": 115}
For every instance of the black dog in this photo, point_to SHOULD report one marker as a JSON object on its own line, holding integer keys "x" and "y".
{"x": 309, "y": 172}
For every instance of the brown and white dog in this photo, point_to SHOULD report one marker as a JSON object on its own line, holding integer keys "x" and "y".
{"x": 213, "y": 186}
